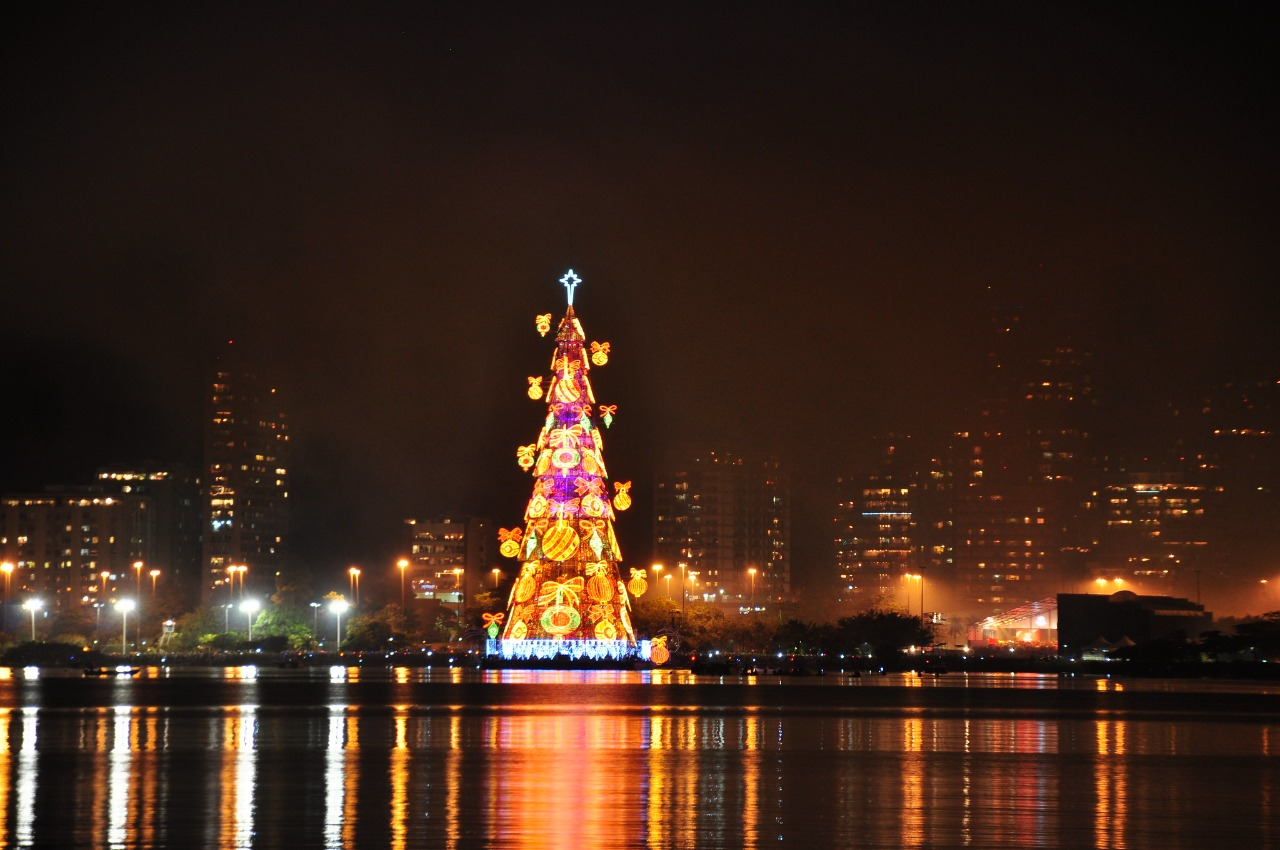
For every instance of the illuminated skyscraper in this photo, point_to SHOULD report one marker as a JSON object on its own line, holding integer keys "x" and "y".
{"x": 450, "y": 557}
{"x": 61, "y": 542}
{"x": 893, "y": 522}
{"x": 722, "y": 514}
{"x": 1023, "y": 474}
{"x": 171, "y": 527}
{"x": 246, "y": 479}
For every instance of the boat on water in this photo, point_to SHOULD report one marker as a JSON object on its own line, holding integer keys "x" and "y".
{"x": 118, "y": 670}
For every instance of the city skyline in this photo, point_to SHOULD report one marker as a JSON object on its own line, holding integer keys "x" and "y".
{"x": 794, "y": 223}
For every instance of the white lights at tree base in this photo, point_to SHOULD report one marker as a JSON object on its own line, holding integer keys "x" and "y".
{"x": 574, "y": 650}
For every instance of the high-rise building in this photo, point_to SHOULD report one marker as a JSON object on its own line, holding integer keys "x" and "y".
{"x": 171, "y": 537}
{"x": 245, "y": 480}
{"x": 893, "y": 525}
{"x": 450, "y": 557}
{"x": 1024, "y": 475}
{"x": 726, "y": 518}
{"x": 1154, "y": 532}
{"x": 73, "y": 546}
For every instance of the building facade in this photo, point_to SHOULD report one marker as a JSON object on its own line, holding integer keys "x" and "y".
{"x": 245, "y": 481}
{"x": 893, "y": 526}
{"x": 722, "y": 527}
{"x": 72, "y": 547}
{"x": 171, "y": 537}
{"x": 451, "y": 557}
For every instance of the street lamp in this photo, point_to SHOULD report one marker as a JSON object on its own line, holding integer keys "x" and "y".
{"x": 8, "y": 574}
{"x": 496, "y": 572}
{"x": 403, "y": 564}
{"x": 910, "y": 577}
{"x": 338, "y": 607}
{"x": 33, "y": 605}
{"x": 155, "y": 574}
{"x": 752, "y": 572}
{"x": 124, "y": 606}
{"x": 684, "y": 593}
{"x": 354, "y": 574}
{"x": 315, "y": 617}
{"x": 241, "y": 569}
{"x": 137, "y": 566}
{"x": 668, "y": 578}
{"x": 250, "y": 607}
{"x": 657, "y": 574}
{"x": 922, "y": 595}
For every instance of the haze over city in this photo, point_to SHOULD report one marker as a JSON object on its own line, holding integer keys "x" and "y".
{"x": 793, "y": 225}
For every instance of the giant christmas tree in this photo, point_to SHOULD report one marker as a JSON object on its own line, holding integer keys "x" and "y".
{"x": 569, "y": 597}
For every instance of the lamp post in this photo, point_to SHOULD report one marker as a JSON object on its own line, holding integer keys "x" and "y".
{"x": 457, "y": 586}
{"x": 403, "y": 564}
{"x": 684, "y": 593}
{"x": 910, "y": 577}
{"x": 250, "y": 607}
{"x": 137, "y": 567}
{"x": 668, "y": 578}
{"x": 315, "y": 617}
{"x": 354, "y": 582}
{"x": 921, "y": 595}
{"x": 33, "y": 605}
{"x": 496, "y": 573}
{"x": 155, "y": 574}
{"x": 232, "y": 572}
{"x": 124, "y": 606}
{"x": 338, "y": 607}
{"x": 97, "y": 619}
{"x": 752, "y": 572}
{"x": 8, "y": 575}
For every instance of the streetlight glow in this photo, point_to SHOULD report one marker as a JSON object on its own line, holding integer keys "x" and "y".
{"x": 354, "y": 573}
{"x": 250, "y": 607}
{"x": 403, "y": 564}
{"x": 8, "y": 575}
{"x": 124, "y": 606}
{"x": 33, "y": 605}
{"x": 339, "y": 607}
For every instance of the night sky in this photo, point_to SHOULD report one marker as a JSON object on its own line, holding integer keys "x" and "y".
{"x": 792, "y": 221}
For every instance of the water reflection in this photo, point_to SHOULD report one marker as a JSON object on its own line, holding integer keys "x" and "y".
{"x": 585, "y": 761}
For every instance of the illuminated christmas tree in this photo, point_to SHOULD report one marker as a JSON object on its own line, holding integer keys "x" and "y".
{"x": 569, "y": 597}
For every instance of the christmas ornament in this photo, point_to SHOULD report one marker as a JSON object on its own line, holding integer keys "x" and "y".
{"x": 560, "y": 541}
{"x": 658, "y": 652}
{"x": 638, "y": 585}
{"x": 622, "y": 501}
{"x": 509, "y": 542}
{"x": 599, "y": 353}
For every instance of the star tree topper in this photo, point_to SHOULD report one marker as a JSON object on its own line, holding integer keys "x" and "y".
{"x": 570, "y": 281}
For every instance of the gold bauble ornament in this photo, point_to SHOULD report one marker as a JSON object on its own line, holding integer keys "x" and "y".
{"x": 560, "y": 542}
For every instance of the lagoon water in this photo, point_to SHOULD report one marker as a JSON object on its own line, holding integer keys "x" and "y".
{"x": 448, "y": 758}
